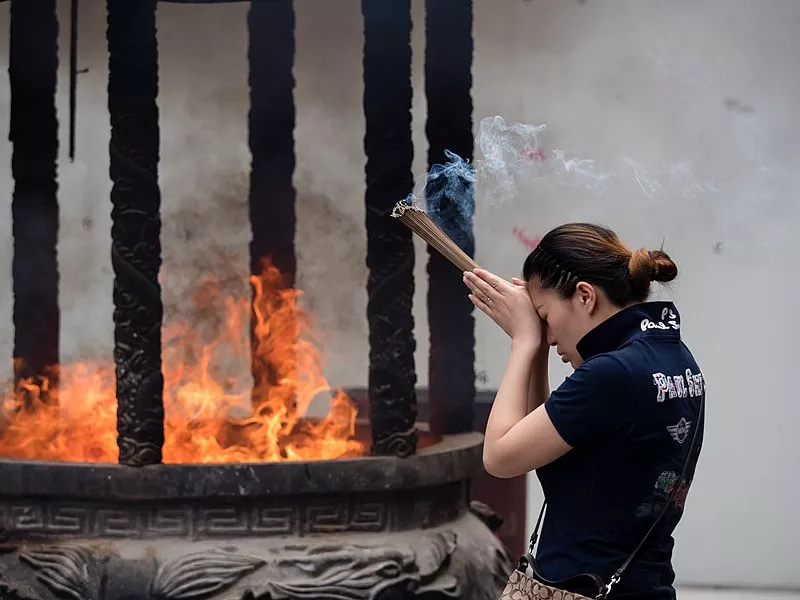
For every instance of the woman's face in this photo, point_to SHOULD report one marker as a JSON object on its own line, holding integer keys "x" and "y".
{"x": 567, "y": 320}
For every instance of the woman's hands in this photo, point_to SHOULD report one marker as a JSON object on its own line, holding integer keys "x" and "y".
{"x": 507, "y": 304}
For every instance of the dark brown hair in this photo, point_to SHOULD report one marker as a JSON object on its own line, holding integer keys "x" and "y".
{"x": 577, "y": 252}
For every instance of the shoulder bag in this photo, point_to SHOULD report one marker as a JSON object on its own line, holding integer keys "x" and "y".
{"x": 527, "y": 583}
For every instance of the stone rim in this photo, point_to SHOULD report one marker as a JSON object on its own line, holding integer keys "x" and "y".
{"x": 454, "y": 458}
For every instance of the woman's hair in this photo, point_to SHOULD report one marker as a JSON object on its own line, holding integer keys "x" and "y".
{"x": 585, "y": 252}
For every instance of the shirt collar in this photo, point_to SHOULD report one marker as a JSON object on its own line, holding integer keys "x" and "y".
{"x": 647, "y": 318}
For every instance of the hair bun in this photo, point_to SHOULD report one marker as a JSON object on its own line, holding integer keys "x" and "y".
{"x": 651, "y": 265}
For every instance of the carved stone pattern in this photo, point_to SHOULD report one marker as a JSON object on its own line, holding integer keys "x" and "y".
{"x": 310, "y": 516}
{"x": 341, "y": 517}
{"x": 201, "y": 574}
{"x": 136, "y": 229}
{"x": 63, "y": 569}
{"x": 15, "y": 591}
{"x": 32, "y": 70}
{"x": 448, "y": 82}
{"x": 457, "y": 562}
{"x": 390, "y": 251}
{"x": 485, "y": 513}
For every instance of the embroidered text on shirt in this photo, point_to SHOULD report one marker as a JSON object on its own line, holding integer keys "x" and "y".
{"x": 675, "y": 386}
{"x": 669, "y": 320}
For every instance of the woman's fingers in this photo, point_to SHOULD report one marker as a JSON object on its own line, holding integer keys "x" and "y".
{"x": 491, "y": 279}
{"x": 479, "y": 287}
{"x": 488, "y": 280}
{"x": 480, "y": 304}
{"x": 518, "y": 282}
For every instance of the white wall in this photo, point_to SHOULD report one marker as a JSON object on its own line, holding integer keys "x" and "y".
{"x": 688, "y": 109}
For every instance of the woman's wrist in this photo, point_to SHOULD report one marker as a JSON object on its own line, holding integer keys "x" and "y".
{"x": 542, "y": 357}
{"x": 528, "y": 344}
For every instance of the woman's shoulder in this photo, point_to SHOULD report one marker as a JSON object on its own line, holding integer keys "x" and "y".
{"x": 647, "y": 355}
{"x": 609, "y": 367}
{"x": 593, "y": 403}
{"x": 653, "y": 369}
{"x": 602, "y": 375}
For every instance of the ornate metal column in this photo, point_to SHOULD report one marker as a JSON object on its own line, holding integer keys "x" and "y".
{"x": 390, "y": 251}
{"x": 136, "y": 229}
{"x": 448, "y": 83}
{"x": 33, "y": 65}
{"x": 271, "y": 137}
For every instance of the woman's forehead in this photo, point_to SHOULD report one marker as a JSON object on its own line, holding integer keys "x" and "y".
{"x": 539, "y": 295}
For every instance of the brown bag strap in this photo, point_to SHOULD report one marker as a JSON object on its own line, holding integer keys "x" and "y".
{"x": 615, "y": 578}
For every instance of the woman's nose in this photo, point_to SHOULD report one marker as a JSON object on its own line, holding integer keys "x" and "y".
{"x": 551, "y": 339}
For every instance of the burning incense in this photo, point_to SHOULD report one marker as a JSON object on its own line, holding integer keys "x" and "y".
{"x": 417, "y": 221}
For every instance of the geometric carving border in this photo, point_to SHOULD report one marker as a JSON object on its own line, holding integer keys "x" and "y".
{"x": 299, "y": 516}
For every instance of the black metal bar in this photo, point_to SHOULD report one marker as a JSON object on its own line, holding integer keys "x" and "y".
{"x": 216, "y": 1}
{"x": 390, "y": 251}
{"x": 73, "y": 76}
{"x": 136, "y": 229}
{"x": 271, "y": 138}
{"x": 33, "y": 66}
{"x": 448, "y": 84}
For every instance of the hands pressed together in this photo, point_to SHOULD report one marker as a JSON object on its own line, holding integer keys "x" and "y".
{"x": 507, "y": 303}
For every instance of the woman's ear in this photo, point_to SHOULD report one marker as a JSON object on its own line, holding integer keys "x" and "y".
{"x": 586, "y": 296}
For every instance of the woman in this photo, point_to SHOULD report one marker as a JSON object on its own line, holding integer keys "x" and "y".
{"x": 609, "y": 443}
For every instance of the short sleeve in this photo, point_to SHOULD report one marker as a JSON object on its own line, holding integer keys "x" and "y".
{"x": 594, "y": 403}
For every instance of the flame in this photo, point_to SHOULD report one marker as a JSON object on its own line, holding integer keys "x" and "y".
{"x": 213, "y": 413}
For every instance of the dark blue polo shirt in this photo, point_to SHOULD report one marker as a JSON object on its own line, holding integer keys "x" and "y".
{"x": 629, "y": 412}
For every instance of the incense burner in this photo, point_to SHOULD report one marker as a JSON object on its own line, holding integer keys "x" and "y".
{"x": 365, "y": 528}
{"x": 398, "y": 524}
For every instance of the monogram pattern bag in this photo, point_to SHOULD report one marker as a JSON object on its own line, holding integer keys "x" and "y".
{"x": 523, "y": 587}
{"x": 527, "y": 583}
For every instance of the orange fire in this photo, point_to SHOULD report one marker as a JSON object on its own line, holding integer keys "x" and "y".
{"x": 213, "y": 414}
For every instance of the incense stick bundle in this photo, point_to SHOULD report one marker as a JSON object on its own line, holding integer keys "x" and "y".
{"x": 420, "y": 223}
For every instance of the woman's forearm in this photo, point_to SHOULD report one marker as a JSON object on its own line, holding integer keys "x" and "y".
{"x": 511, "y": 404}
{"x": 539, "y": 389}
